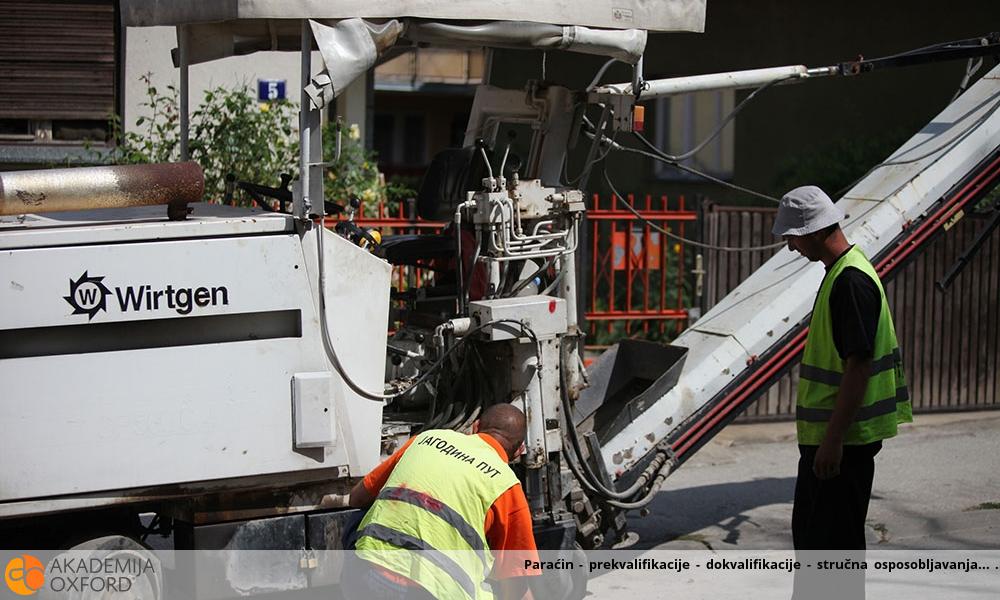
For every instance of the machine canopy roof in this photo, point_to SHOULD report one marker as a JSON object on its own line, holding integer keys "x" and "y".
{"x": 659, "y": 15}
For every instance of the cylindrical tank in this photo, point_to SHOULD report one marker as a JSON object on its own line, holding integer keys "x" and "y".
{"x": 85, "y": 188}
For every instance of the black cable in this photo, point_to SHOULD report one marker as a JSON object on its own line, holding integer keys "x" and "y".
{"x": 943, "y": 148}
{"x": 939, "y": 46}
{"x": 524, "y": 282}
{"x": 678, "y": 238}
{"x": 459, "y": 343}
{"x": 504, "y": 276}
{"x": 457, "y": 392}
{"x": 432, "y": 405}
{"x": 661, "y": 156}
{"x": 584, "y": 170}
{"x": 732, "y": 115}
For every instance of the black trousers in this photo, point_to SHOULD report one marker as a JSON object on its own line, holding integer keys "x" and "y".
{"x": 830, "y": 514}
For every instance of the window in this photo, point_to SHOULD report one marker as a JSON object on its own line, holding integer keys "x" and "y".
{"x": 382, "y": 137}
{"x": 414, "y": 140}
{"x": 57, "y": 70}
{"x": 420, "y": 67}
{"x": 682, "y": 122}
{"x": 400, "y": 139}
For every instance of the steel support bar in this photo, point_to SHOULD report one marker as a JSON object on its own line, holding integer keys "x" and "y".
{"x": 183, "y": 44}
{"x": 732, "y": 80}
{"x": 967, "y": 256}
{"x": 986, "y": 45}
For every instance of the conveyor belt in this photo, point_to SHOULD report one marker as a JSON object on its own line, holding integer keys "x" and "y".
{"x": 758, "y": 331}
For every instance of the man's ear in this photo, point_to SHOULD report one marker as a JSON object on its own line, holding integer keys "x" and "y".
{"x": 521, "y": 448}
{"x": 475, "y": 426}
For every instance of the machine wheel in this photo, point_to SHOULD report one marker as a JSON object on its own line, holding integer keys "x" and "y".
{"x": 563, "y": 584}
{"x": 144, "y": 584}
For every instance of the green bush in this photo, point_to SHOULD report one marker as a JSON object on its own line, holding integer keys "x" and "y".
{"x": 356, "y": 174}
{"x": 230, "y": 132}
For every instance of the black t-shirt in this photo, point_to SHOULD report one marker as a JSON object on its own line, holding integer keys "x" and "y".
{"x": 855, "y": 305}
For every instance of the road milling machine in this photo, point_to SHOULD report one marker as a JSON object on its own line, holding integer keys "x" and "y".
{"x": 211, "y": 372}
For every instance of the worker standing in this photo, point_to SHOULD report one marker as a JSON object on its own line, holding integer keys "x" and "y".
{"x": 851, "y": 392}
{"x": 443, "y": 492}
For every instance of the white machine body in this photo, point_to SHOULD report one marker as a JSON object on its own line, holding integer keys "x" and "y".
{"x": 140, "y": 353}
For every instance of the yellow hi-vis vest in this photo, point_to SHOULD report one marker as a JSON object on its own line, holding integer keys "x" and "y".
{"x": 435, "y": 501}
{"x": 886, "y": 402}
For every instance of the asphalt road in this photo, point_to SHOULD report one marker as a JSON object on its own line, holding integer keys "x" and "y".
{"x": 937, "y": 486}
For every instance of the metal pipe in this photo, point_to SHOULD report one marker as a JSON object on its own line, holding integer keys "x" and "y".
{"x": 638, "y": 83}
{"x": 732, "y": 80}
{"x": 85, "y": 188}
{"x": 302, "y": 201}
{"x": 185, "y": 109}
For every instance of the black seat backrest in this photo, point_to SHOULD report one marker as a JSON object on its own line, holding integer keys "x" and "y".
{"x": 452, "y": 173}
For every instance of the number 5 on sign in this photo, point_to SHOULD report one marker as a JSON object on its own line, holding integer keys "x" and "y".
{"x": 269, "y": 90}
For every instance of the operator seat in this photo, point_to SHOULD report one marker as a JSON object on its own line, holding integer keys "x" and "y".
{"x": 452, "y": 173}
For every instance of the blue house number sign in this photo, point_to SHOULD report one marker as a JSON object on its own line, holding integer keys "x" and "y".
{"x": 269, "y": 90}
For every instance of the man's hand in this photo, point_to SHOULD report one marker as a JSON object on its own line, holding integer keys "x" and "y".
{"x": 330, "y": 501}
{"x": 360, "y": 496}
{"x": 826, "y": 465}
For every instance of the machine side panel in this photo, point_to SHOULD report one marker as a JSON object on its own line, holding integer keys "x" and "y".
{"x": 357, "y": 312}
{"x": 206, "y": 406}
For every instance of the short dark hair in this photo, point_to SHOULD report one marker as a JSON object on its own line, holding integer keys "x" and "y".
{"x": 506, "y": 423}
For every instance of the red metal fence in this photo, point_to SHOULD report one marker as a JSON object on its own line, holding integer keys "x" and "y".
{"x": 636, "y": 275}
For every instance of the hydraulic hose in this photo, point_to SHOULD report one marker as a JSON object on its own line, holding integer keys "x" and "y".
{"x": 653, "y": 490}
{"x": 583, "y": 471}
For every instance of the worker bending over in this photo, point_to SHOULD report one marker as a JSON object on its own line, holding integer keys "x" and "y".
{"x": 446, "y": 491}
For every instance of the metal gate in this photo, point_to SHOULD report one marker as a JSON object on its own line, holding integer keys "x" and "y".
{"x": 950, "y": 340}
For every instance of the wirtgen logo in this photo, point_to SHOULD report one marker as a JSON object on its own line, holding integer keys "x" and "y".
{"x": 24, "y": 575}
{"x": 89, "y": 295}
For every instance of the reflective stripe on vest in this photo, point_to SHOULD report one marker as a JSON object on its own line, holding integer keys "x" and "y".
{"x": 438, "y": 558}
{"x": 442, "y": 510}
{"x": 886, "y": 401}
{"x": 436, "y": 500}
{"x": 879, "y": 408}
{"x": 821, "y": 375}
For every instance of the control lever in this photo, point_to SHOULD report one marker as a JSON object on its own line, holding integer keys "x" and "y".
{"x": 490, "y": 183}
{"x": 282, "y": 193}
{"x": 510, "y": 140}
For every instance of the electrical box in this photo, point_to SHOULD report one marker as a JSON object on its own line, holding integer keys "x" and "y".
{"x": 544, "y": 315}
{"x": 312, "y": 410}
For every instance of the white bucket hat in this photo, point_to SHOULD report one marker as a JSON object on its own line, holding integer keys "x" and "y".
{"x": 805, "y": 210}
